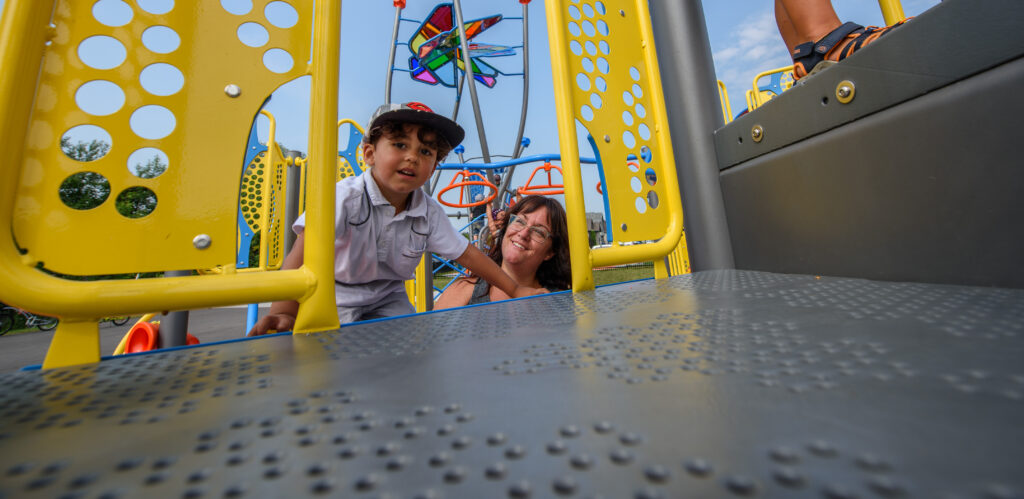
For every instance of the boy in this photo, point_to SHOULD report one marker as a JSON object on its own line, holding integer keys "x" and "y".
{"x": 384, "y": 222}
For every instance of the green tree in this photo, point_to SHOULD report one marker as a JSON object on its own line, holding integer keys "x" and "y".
{"x": 152, "y": 168}
{"x": 84, "y": 151}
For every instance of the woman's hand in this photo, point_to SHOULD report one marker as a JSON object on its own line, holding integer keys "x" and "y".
{"x": 495, "y": 221}
{"x": 273, "y": 322}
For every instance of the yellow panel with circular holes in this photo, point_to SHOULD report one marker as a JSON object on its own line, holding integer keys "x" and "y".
{"x": 173, "y": 88}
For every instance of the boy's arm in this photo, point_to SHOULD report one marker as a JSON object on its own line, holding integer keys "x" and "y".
{"x": 474, "y": 260}
{"x": 282, "y": 313}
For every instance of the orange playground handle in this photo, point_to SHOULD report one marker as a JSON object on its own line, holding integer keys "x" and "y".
{"x": 539, "y": 189}
{"x": 467, "y": 175}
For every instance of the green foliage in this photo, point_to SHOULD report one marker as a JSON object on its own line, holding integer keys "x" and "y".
{"x": 136, "y": 202}
{"x": 150, "y": 169}
{"x": 83, "y": 151}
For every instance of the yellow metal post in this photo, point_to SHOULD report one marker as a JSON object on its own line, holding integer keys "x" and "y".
{"x": 892, "y": 11}
{"x": 319, "y": 312}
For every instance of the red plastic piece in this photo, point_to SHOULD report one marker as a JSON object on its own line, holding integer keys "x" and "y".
{"x": 145, "y": 336}
{"x": 539, "y": 189}
{"x": 466, "y": 176}
{"x": 599, "y": 190}
{"x": 401, "y": 4}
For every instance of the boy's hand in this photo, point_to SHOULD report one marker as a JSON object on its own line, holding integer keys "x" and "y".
{"x": 272, "y": 322}
{"x": 522, "y": 291}
{"x": 494, "y": 220}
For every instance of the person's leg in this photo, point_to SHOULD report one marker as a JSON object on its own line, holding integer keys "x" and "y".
{"x": 395, "y": 304}
{"x": 805, "y": 20}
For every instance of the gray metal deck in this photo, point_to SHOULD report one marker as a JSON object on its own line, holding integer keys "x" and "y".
{"x": 718, "y": 384}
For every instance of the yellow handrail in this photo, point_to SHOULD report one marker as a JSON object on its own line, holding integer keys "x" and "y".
{"x": 892, "y": 11}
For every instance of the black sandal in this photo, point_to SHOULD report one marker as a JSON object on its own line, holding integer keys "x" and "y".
{"x": 811, "y": 57}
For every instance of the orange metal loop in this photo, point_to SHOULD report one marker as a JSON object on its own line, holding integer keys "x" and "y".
{"x": 599, "y": 190}
{"x": 466, "y": 176}
{"x": 539, "y": 189}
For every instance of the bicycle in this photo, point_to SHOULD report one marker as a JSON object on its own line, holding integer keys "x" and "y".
{"x": 118, "y": 320}
{"x": 9, "y": 316}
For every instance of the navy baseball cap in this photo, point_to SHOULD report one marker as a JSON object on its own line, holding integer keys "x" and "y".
{"x": 421, "y": 114}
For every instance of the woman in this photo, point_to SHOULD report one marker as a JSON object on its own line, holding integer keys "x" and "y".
{"x": 532, "y": 246}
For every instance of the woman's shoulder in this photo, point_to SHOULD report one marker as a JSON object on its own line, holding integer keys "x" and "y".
{"x": 457, "y": 294}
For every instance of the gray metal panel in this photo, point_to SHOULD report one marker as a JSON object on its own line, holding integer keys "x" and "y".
{"x": 951, "y": 41}
{"x": 928, "y": 191}
{"x": 718, "y": 384}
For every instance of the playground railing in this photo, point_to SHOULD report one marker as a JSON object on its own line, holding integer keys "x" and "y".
{"x": 617, "y": 95}
{"x": 48, "y": 89}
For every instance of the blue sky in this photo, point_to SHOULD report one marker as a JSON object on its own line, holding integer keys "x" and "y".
{"x": 744, "y": 41}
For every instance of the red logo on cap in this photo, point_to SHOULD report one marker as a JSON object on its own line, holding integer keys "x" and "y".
{"x": 419, "y": 106}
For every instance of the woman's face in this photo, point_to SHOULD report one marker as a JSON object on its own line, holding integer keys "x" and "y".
{"x": 523, "y": 243}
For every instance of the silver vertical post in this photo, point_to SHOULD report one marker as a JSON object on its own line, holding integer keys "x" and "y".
{"x": 507, "y": 179}
{"x": 293, "y": 188}
{"x": 174, "y": 328}
{"x": 391, "y": 57}
{"x": 468, "y": 63}
{"x": 691, "y": 97}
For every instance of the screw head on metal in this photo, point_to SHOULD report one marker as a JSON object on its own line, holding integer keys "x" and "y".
{"x": 757, "y": 133}
{"x": 607, "y": 138}
{"x": 845, "y": 91}
{"x": 623, "y": 226}
{"x": 233, "y": 90}
{"x": 202, "y": 241}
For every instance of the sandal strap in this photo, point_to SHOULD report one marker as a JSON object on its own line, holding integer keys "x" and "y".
{"x": 807, "y": 55}
{"x": 870, "y": 34}
{"x": 825, "y": 45}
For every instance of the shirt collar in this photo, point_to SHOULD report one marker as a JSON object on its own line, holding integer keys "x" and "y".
{"x": 417, "y": 204}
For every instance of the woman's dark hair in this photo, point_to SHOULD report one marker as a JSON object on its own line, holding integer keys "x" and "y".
{"x": 556, "y": 272}
{"x": 426, "y": 135}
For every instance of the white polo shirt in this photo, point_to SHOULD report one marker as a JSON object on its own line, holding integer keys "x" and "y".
{"x": 375, "y": 251}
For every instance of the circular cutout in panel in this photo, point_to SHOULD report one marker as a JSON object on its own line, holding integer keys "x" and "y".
{"x": 645, "y": 133}
{"x": 652, "y": 199}
{"x": 156, "y": 6}
{"x": 641, "y": 111}
{"x": 600, "y": 8}
{"x": 152, "y": 122}
{"x": 237, "y": 7}
{"x": 161, "y": 39}
{"x": 113, "y": 13}
{"x": 574, "y": 29}
{"x": 161, "y": 79}
{"x": 148, "y": 162}
{"x": 253, "y": 34}
{"x": 588, "y": 10}
{"x": 102, "y": 52}
{"x": 595, "y": 100}
{"x": 281, "y": 14}
{"x": 588, "y": 65}
{"x": 586, "y": 113}
{"x": 136, "y": 202}
{"x": 627, "y": 118}
{"x": 278, "y": 61}
{"x": 634, "y": 183}
{"x": 600, "y": 84}
{"x": 574, "y": 12}
{"x": 602, "y": 27}
{"x": 651, "y": 176}
{"x": 85, "y": 143}
{"x": 627, "y": 98}
{"x": 590, "y": 47}
{"x": 84, "y": 190}
{"x": 634, "y": 73}
{"x": 583, "y": 82}
{"x": 576, "y": 47}
{"x": 631, "y": 164}
{"x": 641, "y": 205}
{"x": 628, "y": 139}
{"x": 645, "y": 153}
{"x": 605, "y": 48}
{"x": 602, "y": 65}
{"x": 588, "y": 28}
{"x": 99, "y": 97}
{"x": 637, "y": 91}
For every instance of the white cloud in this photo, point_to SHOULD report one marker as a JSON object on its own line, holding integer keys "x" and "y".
{"x": 753, "y": 46}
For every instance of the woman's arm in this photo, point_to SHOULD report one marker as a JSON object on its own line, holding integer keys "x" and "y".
{"x": 458, "y": 294}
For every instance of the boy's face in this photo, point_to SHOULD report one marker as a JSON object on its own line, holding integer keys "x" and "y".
{"x": 401, "y": 163}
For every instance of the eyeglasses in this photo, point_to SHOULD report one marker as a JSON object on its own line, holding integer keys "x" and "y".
{"x": 537, "y": 233}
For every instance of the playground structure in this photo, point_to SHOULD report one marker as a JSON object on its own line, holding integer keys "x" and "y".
{"x": 773, "y": 377}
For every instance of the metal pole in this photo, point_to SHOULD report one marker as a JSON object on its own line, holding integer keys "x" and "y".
{"x": 691, "y": 98}
{"x": 391, "y": 57}
{"x": 291, "y": 200}
{"x": 507, "y": 179}
{"x": 468, "y": 63}
{"x": 458, "y": 97}
{"x": 174, "y": 328}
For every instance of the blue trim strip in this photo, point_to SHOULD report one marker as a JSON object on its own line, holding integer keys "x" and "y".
{"x": 511, "y": 162}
